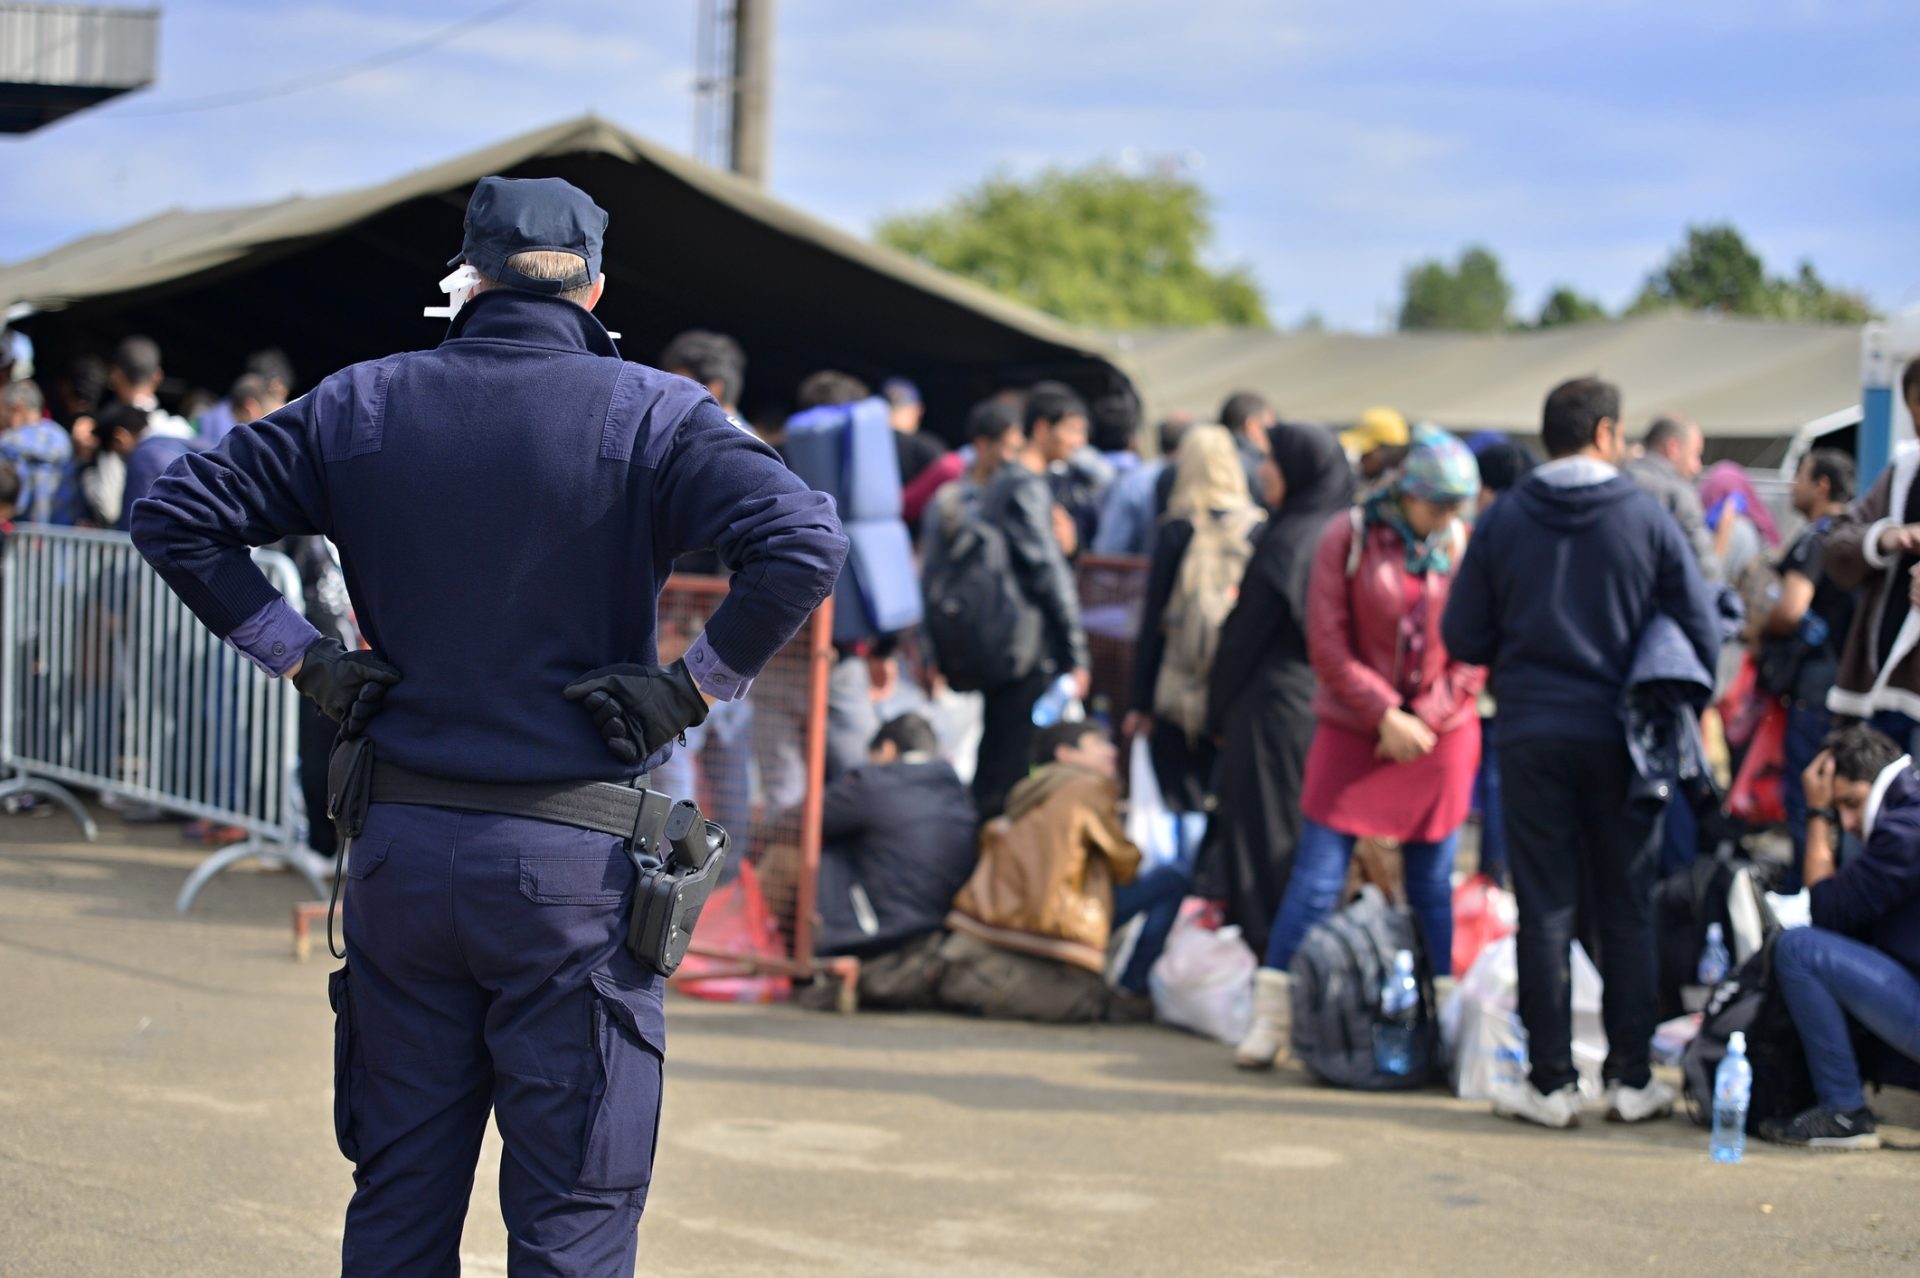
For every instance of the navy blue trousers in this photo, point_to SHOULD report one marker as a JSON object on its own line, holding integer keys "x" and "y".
{"x": 486, "y": 972}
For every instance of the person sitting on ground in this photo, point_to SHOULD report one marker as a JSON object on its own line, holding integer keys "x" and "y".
{"x": 897, "y": 842}
{"x": 1860, "y": 961}
{"x": 1056, "y": 875}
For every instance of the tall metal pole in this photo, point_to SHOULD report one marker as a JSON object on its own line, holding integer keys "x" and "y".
{"x": 752, "y": 86}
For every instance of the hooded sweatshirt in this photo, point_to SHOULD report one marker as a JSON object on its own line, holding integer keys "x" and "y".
{"x": 1558, "y": 583}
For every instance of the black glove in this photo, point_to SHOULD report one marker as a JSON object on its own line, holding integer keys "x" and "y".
{"x": 638, "y": 709}
{"x": 347, "y": 686}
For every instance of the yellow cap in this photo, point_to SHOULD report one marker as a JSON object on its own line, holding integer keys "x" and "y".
{"x": 1379, "y": 427}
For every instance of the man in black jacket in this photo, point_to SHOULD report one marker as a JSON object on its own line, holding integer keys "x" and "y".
{"x": 1013, "y": 496}
{"x": 897, "y": 843}
{"x": 1555, "y": 590}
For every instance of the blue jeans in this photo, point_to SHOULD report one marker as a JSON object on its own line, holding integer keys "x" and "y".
{"x": 1827, "y": 978}
{"x": 1320, "y": 872}
{"x": 1807, "y": 727}
{"x": 1488, "y": 796}
{"x": 1157, "y": 893}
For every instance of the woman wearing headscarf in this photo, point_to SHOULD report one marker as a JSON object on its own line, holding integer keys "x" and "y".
{"x": 1260, "y": 691}
{"x": 1200, "y": 554}
{"x": 1397, "y": 737}
{"x": 1206, "y": 536}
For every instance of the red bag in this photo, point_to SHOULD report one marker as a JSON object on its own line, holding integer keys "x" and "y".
{"x": 1743, "y": 707}
{"x": 1758, "y": 796}
{"x": 735, "y": 920}
{"x": 1483, "y": 912}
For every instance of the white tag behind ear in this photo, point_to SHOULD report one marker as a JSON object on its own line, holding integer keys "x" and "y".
{"x": 459, "y": 287}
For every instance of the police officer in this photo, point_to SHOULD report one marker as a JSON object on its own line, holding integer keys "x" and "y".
{"x": 507, "y": 507}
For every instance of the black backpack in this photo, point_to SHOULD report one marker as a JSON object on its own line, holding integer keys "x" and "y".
{"x": 984, "y": 632}
{"x": 1337, "y": 974}
{"x": 1685, "y": 904}
{"x": 1751, "y": 1002}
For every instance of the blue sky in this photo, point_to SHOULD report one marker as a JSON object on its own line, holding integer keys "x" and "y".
{"x": 1341, "y": 142}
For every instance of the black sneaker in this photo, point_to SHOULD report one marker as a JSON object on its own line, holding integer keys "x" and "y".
{"x": 1823, "y": 1128}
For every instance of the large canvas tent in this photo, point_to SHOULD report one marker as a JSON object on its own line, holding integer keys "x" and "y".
{"x": 339, "y": 278}
{"x": 1749, "y": 383}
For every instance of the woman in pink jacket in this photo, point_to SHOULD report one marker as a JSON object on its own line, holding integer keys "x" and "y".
{"x": 1397, "y": 735}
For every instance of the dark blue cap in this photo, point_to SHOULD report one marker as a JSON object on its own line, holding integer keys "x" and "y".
{"x": 526, "y": 215}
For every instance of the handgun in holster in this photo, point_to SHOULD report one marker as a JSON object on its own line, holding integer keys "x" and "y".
{"x": 679, "y": 856}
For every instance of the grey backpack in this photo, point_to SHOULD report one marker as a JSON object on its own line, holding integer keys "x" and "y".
{"x": 1338, "y": 972}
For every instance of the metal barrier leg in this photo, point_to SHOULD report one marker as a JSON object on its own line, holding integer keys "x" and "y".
{"x": 59, "y": 794}
{"x": 307, "y": 863}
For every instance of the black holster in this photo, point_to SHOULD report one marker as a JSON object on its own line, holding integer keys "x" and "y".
{"x": 350, "y": 785}
{"x": 678, "y": 855}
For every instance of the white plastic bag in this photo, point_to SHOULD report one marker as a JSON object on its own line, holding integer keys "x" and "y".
{"x": 1203, "y": 981}
{"x": 1150, "y": 827}
{"x": 1480, "y": 1024}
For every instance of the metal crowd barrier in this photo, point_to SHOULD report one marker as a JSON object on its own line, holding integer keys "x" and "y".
{"x": 109, "y": 684}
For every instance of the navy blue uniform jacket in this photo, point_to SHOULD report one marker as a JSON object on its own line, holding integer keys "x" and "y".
{"x": 507, "y": 507}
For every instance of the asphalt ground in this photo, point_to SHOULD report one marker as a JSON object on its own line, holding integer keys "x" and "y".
{"x": 165, "y": 1109}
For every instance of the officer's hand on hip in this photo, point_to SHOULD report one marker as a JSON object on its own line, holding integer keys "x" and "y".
{"x": 638, "y": 709}
{"x": 347, "y": 686}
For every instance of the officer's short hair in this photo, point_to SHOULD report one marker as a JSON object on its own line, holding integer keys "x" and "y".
{"x": 9, "y": 483}
{"x": 707, "y": 358}
{"x": 549, "y": 264}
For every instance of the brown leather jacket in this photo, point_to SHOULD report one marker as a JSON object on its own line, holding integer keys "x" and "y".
{"x": 1047, "y": 870}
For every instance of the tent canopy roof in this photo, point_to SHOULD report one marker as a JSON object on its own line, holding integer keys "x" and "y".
{"x": 338, "y": 278}
{"x": 1736, "y": 377}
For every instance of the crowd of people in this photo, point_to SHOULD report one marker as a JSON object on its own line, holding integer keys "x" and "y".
{"x": 1379, "y": 637}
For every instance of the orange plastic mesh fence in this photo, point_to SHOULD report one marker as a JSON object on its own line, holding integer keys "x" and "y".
{"x": 757, "y": 768}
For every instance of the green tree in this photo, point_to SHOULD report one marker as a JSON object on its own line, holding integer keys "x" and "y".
{"x": 1716, "y": 271}
{"x": 1093, "y": 246}
{"x": 1472, "y": 295}
{"x": 1565, "y": 306}
{"x": 1713, "y": 271}
{"x": 1807, "y": 297}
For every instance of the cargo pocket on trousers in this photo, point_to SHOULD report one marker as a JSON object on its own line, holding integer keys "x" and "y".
{"x": 346, "y": 1066}
{"x": 623, "y": 1121}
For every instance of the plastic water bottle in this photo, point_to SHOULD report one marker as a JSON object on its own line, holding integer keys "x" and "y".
{"x": 1053, "y": 704}
{"x": 1714, "y": 959}
{"x": 1732, "y": 1090}
{"x": 1399, "y": 1005}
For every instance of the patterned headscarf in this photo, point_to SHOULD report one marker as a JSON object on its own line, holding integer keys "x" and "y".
{"x": 1439, "y": 468}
